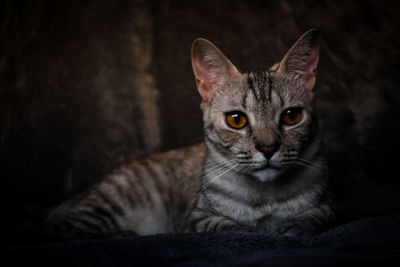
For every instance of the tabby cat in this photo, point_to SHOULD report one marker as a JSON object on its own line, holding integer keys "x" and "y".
{"x": 259, "y": 169}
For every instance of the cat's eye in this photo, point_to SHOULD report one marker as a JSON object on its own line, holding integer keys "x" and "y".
{"x": 236, "y": 119}
{"x": 291, "y": 116}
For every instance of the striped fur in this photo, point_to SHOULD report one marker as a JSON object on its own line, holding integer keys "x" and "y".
{"x": 248, "y": 189}
{"x": 144, "y": 197}
{"x": 228, "y": 183}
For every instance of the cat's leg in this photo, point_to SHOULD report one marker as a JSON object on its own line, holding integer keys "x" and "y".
{"x": 308, "y": 222}
{"x": 205, "y": 221}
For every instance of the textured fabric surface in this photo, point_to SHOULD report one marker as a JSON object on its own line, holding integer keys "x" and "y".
{"x": 368, "y": 241}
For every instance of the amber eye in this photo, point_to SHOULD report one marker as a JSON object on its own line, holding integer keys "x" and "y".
{"x": 236, "y": 119}
{"x": 292, "y": 116}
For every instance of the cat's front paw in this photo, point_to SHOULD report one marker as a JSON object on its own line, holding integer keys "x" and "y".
{"x": 294, "y": 230}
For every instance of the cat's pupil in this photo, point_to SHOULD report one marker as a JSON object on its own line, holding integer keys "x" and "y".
{"x": 236, "y": 117}
{"x": 291, "y": 114}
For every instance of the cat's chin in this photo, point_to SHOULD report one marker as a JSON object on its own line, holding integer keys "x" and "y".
{"x": 267, "y": 174}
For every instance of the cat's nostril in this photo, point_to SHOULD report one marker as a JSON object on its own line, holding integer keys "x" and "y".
{"x": 269, "y": 150}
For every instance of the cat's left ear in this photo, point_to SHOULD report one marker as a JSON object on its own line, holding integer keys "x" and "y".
{"x": 302, "y": 59}
{"x": 211, "y": 68}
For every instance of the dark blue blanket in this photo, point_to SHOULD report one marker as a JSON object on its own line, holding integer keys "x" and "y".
{"x": 368, "y": 241}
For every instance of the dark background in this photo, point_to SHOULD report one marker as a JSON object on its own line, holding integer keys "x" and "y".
{"x": 88, "y": 85}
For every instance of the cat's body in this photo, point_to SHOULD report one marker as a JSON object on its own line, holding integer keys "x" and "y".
{"x": 148, "y": 196}
{"x": 260, "y": 168}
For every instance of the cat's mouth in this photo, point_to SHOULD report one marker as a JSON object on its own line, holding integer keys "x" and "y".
{"x": 265, "y": 171}
{"x": 266, "y": 165}
{"x": 262, "y": 165}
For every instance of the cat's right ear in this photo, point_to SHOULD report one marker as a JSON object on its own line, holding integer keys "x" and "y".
{"x": 302, "y": 59}
{"x": 211, "y": 68}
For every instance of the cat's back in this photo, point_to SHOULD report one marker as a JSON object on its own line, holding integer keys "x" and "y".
{"x": 146, "y": 196}
{"x": 183, "y": 162}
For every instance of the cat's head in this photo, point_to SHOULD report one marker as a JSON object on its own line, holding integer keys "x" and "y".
{"x": 262, "y": 122}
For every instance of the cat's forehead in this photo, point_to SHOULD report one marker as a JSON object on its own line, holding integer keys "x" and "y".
{"x": 261, "y": 91}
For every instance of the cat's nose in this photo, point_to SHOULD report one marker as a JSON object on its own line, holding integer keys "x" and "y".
{"x": 269, "y": 150}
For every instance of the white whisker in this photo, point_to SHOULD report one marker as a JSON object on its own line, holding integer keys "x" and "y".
{"x": 210, "y": 168}
{"x": 217, "y": 177}
{"x": 311, "y": 163}
{"x": 313, "y": 167}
